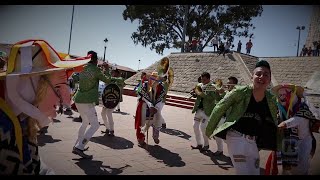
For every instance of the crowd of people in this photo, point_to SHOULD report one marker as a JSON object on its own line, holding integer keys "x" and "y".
{"x": 311, "y": 51}
{"x": 195, "y": 45}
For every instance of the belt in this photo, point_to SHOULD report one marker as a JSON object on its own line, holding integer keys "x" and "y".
{"x": 244, "y": 135}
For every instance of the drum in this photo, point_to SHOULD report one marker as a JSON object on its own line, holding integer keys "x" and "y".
{"x": 111, "y": 96}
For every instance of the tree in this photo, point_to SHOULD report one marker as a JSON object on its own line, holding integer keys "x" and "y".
{"x": 161, "y": 27}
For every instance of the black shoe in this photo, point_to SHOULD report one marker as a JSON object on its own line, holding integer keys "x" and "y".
{"x": 106, "y": 132}
{"x": 118, "y": 110}
{"x": 204, "y": 148}
{"x": 44, "y": 130}
{"x": 164, "y": 126}
{"x": 218, "y": 153}
{"x": 156, "y": 140}
{"x": 111, "y": 134}
{"x": 81, "y": 153}
{"x": 197, "y": 147}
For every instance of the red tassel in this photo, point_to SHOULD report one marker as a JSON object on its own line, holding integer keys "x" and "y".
{"x": 271, "y": 165}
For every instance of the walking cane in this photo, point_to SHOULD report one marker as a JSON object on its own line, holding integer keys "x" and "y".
{"x": 148, "y": 126}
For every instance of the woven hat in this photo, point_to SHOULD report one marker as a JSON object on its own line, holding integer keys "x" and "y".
{"x": 299, "y": 89}
{"x": 37, "y": 57}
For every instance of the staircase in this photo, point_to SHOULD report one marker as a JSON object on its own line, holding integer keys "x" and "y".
{"x": 171, "y": 100}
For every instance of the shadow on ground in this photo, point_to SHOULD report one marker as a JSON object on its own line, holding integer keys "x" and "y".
{"x": 44, "y": 139}
{"x": 113, "y": 142}
{"x": 92, "y": 167}
{"x": 222, "y": 161}
{"x": 122, "y": 113}
{"x": 163, "y": 155}
{"x": 175, "y": 132}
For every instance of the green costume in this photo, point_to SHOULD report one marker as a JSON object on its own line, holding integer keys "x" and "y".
{"x": 89, "y": 83}
{"x": 238, "y": 99}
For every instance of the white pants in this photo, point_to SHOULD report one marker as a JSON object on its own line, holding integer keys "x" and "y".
{"x": 244, "y": 154}
{"x": 304, "y": 149}
{"x": 89, "y": 115}
{"x": 219, "y": 140}
{"x": 159, "y": 108}
{"x": 219, "y": 144}
{"x": 118, "y": 106}
{"x": 107, "y": 118}
{"x": 200, "y": 122}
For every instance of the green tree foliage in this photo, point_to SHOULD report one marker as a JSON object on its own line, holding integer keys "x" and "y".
{"x": 161, "y": 27}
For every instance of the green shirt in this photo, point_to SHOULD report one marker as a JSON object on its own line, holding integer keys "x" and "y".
{"x": 89, "y": 83}
{"x": 209, "y": 100}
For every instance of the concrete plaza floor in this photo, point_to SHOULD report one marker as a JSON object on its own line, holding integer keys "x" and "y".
{"x": 121, "y": 154}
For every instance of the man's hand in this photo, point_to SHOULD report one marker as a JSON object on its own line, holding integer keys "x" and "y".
{"x": 282, "y": 125}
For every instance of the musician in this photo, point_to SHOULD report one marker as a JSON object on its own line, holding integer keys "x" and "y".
{"x": 232, "y": 81}
{"x": 121, "y": 84}
{"x": 251, "y": 123}
{"x": 150, "y": 94}
{"x": 205, "y": 102}
{"x": 106, "y": 113}
{"x": 85, "y": 100}
{"x": 165, "y": 72}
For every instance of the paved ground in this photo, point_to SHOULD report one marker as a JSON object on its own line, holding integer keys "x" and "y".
{"x": 121, "y": 155}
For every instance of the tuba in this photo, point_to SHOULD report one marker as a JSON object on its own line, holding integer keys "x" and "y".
{"x": 165, "y": 71}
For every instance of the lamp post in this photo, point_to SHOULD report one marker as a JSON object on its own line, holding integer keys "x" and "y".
{"x": 71, "y": 29}
{"x": 299, "y": 28}
{"x": 105, "y": 47}
{"x": 186, "y": 12}
{"x": 139, "y": 64}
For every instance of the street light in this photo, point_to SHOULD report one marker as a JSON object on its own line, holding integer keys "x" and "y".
{"x": 139, "y": 65}
{"x": 105, "y": 47}
{"x": 71, "y": 29}
{"x": 299, "y": 28}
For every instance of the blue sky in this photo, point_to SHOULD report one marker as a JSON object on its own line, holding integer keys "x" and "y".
{"x": 275, "y": 33}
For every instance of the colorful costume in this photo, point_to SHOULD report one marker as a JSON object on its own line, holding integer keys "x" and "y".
{"x": 167, "y": 76}
{"x": 298, "y": 141}
{"x": 151, "y": 94}
{"x": 33, "y": 73}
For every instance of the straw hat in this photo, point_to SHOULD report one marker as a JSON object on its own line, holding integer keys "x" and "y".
{"x": 299, "y": 89}
{"x": 37, "y": 57}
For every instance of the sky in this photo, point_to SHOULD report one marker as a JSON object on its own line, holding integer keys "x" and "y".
{"x": 275, "y": 34}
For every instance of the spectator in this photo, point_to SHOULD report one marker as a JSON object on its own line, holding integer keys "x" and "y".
{"x": 215, "y": 42}
{"x": 239, "y": 47}
{"x": 309, "y": 52}
{"x": 221, "y": 48}
{"x": 249, "y": 46}
{"x": 304, "y": 50}
{"x": 194, "y": 44}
